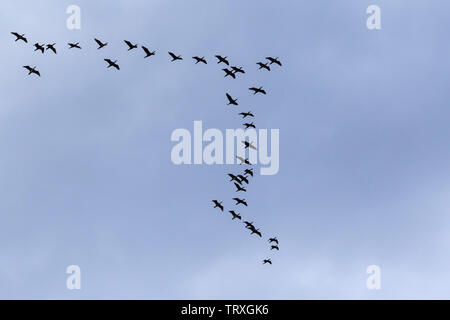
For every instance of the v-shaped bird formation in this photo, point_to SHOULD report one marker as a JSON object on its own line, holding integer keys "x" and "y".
{"x": 240, "y": 180}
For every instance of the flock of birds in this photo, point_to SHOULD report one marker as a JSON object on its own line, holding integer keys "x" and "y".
{"x": 240, "y": 180}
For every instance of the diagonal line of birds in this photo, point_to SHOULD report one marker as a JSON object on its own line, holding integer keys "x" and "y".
{"x": 241, "y": 180}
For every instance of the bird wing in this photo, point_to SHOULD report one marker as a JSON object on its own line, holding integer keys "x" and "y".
{"x": 128, "y": 43}
{"x": 98, "y": 42}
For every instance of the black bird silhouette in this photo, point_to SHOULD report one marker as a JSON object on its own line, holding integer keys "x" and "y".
{"x": 257, "y": 90}
{"x": 274, "y": 239}
{"x": 255, "y": 231}
{"x": 246, "y": 114}
{"x": 130, "y": 45}
{"x": 148, "y": 53}
{"x": 229, "y": 73}
{"x": 239, "y": 188}
{"x": 249, "y": 225}
{"x": 235, "y": 215}
{"x": 32, "y": 70}
{"x": 240, "y": 201}
{"x": 249, "y": 144}
{"x": 198, "y": 59}
{"x": 242, "y": 160}
{"x": 74, "y": 45}
{"x": 222, "y": 59}
{"x": 218, "y": 204}
{"x": 39, "y": 47}
{"x": 112, "y": 64}
{"x": 263, "y": 65}
{"x": 249, "y": 125}
{"x": 233, "y": 177}
{"x": 231, "y": 100}
{"x": 174, "y": 57}
{"x": 274, "y": 60}
{"x": 274, "y": 247}
{"x": 248, "y": 172}
{"x": 51, "y": 47}
{"x": 237, "y": 69}
{"x": 100, "y": 44}
{"x": 267, "y": 261}
{"x": 19, "y": 37}
{"x": 243, "y": 179}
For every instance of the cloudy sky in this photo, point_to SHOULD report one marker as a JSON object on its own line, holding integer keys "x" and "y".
{"x": 86, "y": 177}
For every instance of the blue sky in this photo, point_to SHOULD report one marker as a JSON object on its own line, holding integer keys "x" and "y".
{"x": 86, "y": 176}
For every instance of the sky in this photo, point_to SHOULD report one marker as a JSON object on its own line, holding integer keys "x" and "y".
{"x": 86, "y": 176}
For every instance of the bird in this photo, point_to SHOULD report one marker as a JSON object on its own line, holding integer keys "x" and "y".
{"x": 235, "y": 215}
{"x": 267, "y": 261}
{"x": 239, "y": 188}
{"x": 130, "y": 45}
{"x": 148, "y": 53}
{"x": 174, "y": 57}
{"x": 255, "y": 231}
{"x": 249, "y": 125}
{"x": 32, "y": 70}
{"x": 274, "y": 60}
{"x": 231, "y": 100}
{"x": 20, "y": 37}
{"x": 222, "y": 59}
{"x": 243, "y": 179}
{"x": 246, "y": 114}
{"x": 248, "y": 172}
{"x": 198, "y": 59}
{"x": 242, "y": 160}
{"x": 112, "y": 64}
{"x": 218, "y": 204}
{"x": 249, "y": 145}
{"x": 257, "y": 90}
{"x": 51, "y": 47}
{"x": 274, "y": 247}
{"x": 249, "y": 225}
{"x": 237, "y": 69}
{"x": 229, "y": 73}
{"x": 74, "y": 45}
{"x": 240, "y": 201}
{"x": 39, "y": 47}
{"x": 100, "y": 44}
{"x": 263, "y": 65}
{"x": 233, "y": 177}
{"x": 274, "y": 239}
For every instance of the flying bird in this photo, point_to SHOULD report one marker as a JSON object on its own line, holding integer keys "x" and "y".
{"x": 218, "y": 204}
{"x": 222, "y": 59}
{"x": 255, "y": 231}
{"x": 32, "y": 70}
{"x": 249, "y": 125}
{"x": 242, "y": 160}
{"x": 249, "y": 144}
{"x": 249, "y": 225}
{"x": 231, "y": 100}
{"x": 19, "y": 37}
{"x": 248, "y": 172}
{"x": 39, "y": 47}
{"x": 51, "y": 47}
{"x": 100, "y": 44}
{"x": 235, "y": 215}
{"x": 198, "y": 59}
{"x": 130, "y": 45}
{"x": 274, "y": 247}
{"x": 233, "y": 177}
{"x": 274, "y": 239}
{"x": 174, "y": 57}
{"x": 274, "y": 60}
{"x": 257, "y": 90}
{"x": 243, "y": 179}
{"x": 240, "y": 201}
{"x": 229, "y": 73}
{"x": 267, "y": 261}
{"x": 148, "y": 53}
{"x": 74, "y": 45}
{"x": 237, "y": 69}
{"x": 239, "y": 188}
{"x": 246, "y": 114}
{"x": 112, "y": 64}
{"x": 263, "y": 65}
